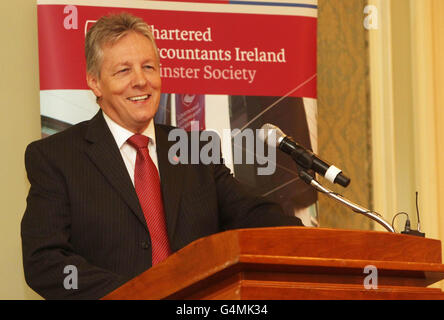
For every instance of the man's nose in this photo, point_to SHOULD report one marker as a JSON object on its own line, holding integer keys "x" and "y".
{"x": 139, "y": 78}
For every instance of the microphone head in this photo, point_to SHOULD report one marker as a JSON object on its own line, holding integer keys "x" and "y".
{"x": 271, "y": 135}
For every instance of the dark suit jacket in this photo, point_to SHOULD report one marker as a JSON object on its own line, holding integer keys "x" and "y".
{"x": 82, "y": 210}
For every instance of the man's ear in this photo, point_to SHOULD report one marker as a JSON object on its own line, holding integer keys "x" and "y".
{"x": 93, "y": 84}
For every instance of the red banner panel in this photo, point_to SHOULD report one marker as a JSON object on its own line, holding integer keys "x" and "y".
{"x": 201, "y": 52}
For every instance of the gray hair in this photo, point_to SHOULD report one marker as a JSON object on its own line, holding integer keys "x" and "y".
{"x": 109, "y": 29}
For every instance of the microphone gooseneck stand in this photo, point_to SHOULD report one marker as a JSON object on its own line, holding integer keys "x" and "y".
{"x": 307, "y": 178}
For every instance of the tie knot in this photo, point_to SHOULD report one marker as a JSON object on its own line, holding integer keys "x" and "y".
{"x": 139, "y": 141}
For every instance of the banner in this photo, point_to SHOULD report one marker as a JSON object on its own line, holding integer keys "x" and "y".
{"x": 190, "y": 107}
{"x": 227, "y": 64}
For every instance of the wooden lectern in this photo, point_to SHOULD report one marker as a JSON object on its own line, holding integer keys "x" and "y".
{"x": 295, "y": 263}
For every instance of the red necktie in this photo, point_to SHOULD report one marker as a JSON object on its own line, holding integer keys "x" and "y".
{"x": 147, "y": 184}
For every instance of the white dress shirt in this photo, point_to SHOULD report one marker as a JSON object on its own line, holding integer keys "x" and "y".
{"x": 129, "y": 153}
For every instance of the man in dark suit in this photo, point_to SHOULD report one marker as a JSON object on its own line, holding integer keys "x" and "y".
{"x": 87, "y": 208}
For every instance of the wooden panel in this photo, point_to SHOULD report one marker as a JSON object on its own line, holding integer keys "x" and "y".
{"x": 289, "y": 258}
{"x": 344, "y": 108}
{"x": 321, "y": 278}
{"x": 251, "y": 290}
{"x": 225, "y": 289}
{"x": 351, "y": 244}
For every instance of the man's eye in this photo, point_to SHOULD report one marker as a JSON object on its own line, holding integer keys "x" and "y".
{"x": 148, "y": 67}
{"x": 121, "y": 71}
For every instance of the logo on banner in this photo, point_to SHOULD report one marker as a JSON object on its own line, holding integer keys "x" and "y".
{"x": 190, "y": 107}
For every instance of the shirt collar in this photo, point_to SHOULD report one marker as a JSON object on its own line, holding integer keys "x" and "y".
{"x": 121, "y": 135}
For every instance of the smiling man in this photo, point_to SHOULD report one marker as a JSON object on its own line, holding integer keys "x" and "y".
{"x": 104, "y": 200}
{"x": 128, "y": 83}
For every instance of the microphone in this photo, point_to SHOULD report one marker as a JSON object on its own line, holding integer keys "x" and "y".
{"x": 273, "y": 136}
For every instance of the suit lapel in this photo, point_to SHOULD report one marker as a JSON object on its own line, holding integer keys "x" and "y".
{"x": 171, "y": 177}
{"x": 105, "y": 154}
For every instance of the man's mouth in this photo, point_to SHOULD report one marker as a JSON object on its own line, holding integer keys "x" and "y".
{"x": 139, "y": 98}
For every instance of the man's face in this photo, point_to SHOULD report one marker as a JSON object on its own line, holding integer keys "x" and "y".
{"x": 129, "y": 83}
